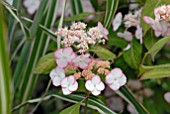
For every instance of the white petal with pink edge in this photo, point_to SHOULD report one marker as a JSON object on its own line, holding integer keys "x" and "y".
{"x": 122, "y": 80}
{"x": 71, "y": 79}
{"x": 96, "y": 92}
{"x": 62, "y": 62}
{"x": 73, "y": 87}
{"x": 117, "y": 21}
{"x": 56, "y": 81}
{"x": 89, "y": 86}
{"x": 66, "y": 91}
{"x": 58, "y": 53}
{"x": 114, "y": 86}
{"x": 96, "y": 79}
{"x": 64, "y": 82}
{"x": 100, "y": 86}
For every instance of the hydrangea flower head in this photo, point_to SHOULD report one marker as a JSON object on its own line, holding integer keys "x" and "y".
{"x": 82, "y": 61}
{"x": 69, "y": 84}
{"x": 64, "y": 56}
{"x": 115, "y": 79}
{"x": 95, "y": 85}
{"x": 57, "y": 75}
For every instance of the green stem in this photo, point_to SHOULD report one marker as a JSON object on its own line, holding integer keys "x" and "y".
{"x": 86, "y": 102}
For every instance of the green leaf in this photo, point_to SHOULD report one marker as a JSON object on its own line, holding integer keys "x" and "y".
{"x": 93, "y": 103}
{"x": 148, "y": 10}
{"x": 78, "y": 17}
{"x": 133, "y": 56}
{"x": 158, "y": 46}
{"x": 5, "y": 74}
{"x": 81, "y": 83}
{"x": 157, "y": 71}
{"x": 125, "y": 93}
{"x": 45, "y": 64}
{"x": 111, "y": 8}
{"x": 74, "y": 109}
{"x": 114, "y": 40}
{"x": 149, "y": 39}
{"x": 103, "y": 53}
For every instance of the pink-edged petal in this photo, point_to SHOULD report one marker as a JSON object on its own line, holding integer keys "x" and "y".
{"x": 71, "y": 79}
{"x": 89, "y": 85}
{"x": 105, "y": 31}
{"x": 73, "y": 87}
{"x": 58, "y": 53}
{"x": 138, "y": 33}
{"x": 72, "y": 56}
{"x": 167, "y": 97}
{"x": 164, "y": 26}
{"x": 122, "y": 80}
{"x": 157, "y": 33}
{"x": 66, "y": 91}
{"x": 60, "y": 72}
{"x": 56, "y": 81}
{"x": 62, "y": 63}
{"x": 155, "y": 25}
{"x": 100, "y": 25}
{"x": 53, "y": 74}
{"x": 64, "y": 82}
{"x": 83, "y": 65}
{"x": 96, "y": 79}
{"x": 100, "y": 86}
{"x": 117, "y": 21}
{"x": 109, "y": 78}
{"x": 128, "y": 36}
{"x": 117, "y": 72}
{"x": 114, "y": 86}
{"x": 67, "y": 51}
{"x": 96, "y": 92}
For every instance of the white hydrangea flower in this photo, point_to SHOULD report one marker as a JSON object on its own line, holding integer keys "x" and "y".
{"x": 95, "y": 85}
{"x": 57, "y": 75}
{"x": 115, "y": 79}
{"x": 69, "y": 84}
{"x": 117, "y": 21}
{"x": 64, "y": 56}
{"x": 32, "y": 5}
{"x": 82, "y": 61}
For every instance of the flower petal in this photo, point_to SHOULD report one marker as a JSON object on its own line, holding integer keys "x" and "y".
{"x": 114, "y": 86}
{"x": 71, "y": 79}
{"x": 64, "y": 82}
{"x": 73, "y": 87}
{"x": 67, "y": 51}
{"x": 58, "y": 54}
{"x": 53, "y": 74}
{"x": 96, "y": 92}
{"x": 62, "y": 63}
{"x": 56, "y": 81}
{"x": 109, "y": 78}
{"x": 117, "y": 21}
{"x": 117, "y": 72}
{"x": 83, "y": 65}
{"x": 138, "y": 33}
{"x": 127, "y": 36}
{"x": 89, "y": 85}
{"x": 122, "y": 80}
{"x": 60, "y": 72}
{"x": 96, "y": 79}
{"x": 100, "y": 86}
{"x": 66, "y": 91}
